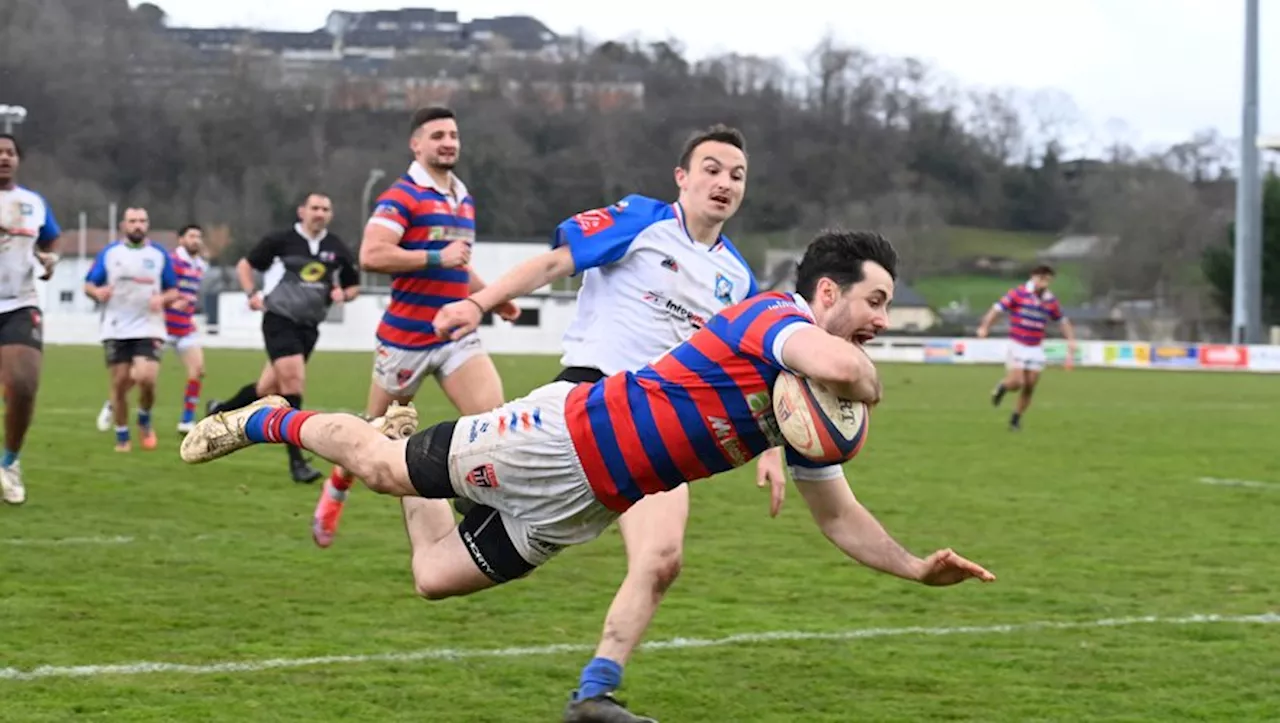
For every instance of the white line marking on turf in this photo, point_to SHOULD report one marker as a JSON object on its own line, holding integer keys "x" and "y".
{"x": 253, "y": 666}
{"x": 1253, "y": 484}
{"x": 57, "y": 541}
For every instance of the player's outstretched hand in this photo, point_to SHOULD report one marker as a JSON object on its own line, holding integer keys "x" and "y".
{"x": 945, "y": 567}
{"x": 769, "y": 471}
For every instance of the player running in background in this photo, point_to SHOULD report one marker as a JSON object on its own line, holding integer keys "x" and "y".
{"x": 1030, "y": 306}
{"x": 652, "y": 273}
{"x": 28, "y": 234}
{"x": 305, "y": 270}
{"x": 557, "y": 467}
{"x": 421, "y": 233}
{"x": 134, "y": 280}
{"x": 179, "y": 322}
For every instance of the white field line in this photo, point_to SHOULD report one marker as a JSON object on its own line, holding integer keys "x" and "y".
{"x": 1253, "y": 484}
{"x": 253, "y": 666}
{"x": 60, "y": 541}
{"x": 94, "y": 540}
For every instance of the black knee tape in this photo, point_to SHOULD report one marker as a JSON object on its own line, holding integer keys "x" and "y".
{"x": 491, "y": 548}
{"x": 426, "y": 455}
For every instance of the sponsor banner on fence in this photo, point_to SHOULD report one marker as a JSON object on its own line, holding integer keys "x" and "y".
{"x": 1126, "y": 355}
{"x": 1175, "y": 355}
{"x": 1055, "y": 353}
{"x": 939, "y": 351}
{"x": 1224, "y": 356}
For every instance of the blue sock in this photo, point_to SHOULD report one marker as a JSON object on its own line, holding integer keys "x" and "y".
{"x": 599, "y": 677}
{"x": 10, "y": 457}
{"x": 122, "y": 435}
{"x": 144, "y": 418}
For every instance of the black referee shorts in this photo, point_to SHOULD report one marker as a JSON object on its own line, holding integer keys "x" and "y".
{"x": 284, "y": 337}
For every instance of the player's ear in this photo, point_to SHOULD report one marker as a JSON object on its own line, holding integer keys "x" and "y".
{"x": 680, "y": 176}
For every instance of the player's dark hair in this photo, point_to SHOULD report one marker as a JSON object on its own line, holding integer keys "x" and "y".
{"x": 423, "y": 116}
{"x": 839, "y": 256}
{"x": 189, "y": 227}
{"x": 1042, "y": 270}
{"x": 718, "y": 133}
{"x": 17, "y": 147}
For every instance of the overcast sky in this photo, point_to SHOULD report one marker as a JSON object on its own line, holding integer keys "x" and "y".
{"x": 1146, "y": 71}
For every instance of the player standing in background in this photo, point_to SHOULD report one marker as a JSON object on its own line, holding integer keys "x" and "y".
{"x": 179, "y": 322}
{"x": 305, "y": 270}
{"x": 590, "y": 452}
{"x": 652, "y": 273}
{"x": 1030, "y": 306}
{"x": 134, "y": 281}
{"x": 28, "y": 234}
{"x": 421, "y": 233}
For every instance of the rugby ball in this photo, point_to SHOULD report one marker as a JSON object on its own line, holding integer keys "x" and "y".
{"x": 816, "y": 423}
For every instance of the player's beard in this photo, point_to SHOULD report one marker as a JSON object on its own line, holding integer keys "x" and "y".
{"x": 440, "y": 164}
{"x": 135, "y": 237}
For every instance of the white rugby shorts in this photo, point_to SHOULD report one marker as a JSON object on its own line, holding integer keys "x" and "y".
{"x": 1021, "y": 356}
{"x": 182, "y": 344}
{"x": 519, "y": 460}
{"x": 400, "y": 372}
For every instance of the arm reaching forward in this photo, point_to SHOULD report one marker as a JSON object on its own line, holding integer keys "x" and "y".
{"x": 852, "y": 528}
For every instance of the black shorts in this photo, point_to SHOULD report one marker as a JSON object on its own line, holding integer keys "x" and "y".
{"x": 580, "y": 375}
{"x": 427, "y": 457}
{"x": 23, "y": 327}
{"x": 284, "y": 337}
{"x": 124, "y": 351}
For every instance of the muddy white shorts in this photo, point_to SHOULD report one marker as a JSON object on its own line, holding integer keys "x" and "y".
{"x": 1021, "y": 356}
{"x": 401, "y": 371}
{"x": 519, "y": 460}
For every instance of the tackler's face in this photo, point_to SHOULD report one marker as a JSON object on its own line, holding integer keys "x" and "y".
{"x": 1041, "y": 282}
{"x": 715, "y": 183}
{"x": 860, "y": 312}
{"x": 436, "y": 144}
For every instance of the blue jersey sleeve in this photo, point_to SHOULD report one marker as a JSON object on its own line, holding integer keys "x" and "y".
{"x": 98, "y": 271}
{"x": 168, "y": 274}
{"x": 603, "y": 236}
{"x": 49, "y": 230}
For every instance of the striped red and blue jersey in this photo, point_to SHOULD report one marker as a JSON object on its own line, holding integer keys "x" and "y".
{"x": 428, "y": 222}
{"x": 702, "y": 408}
{"x": 190, "y": 272}
{"x": 1029, "y": 313}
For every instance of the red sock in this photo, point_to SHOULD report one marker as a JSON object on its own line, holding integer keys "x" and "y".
{"x": 284, "y": 424}
{"x": 341, "y": 479}
{"x": 191, "y": 399}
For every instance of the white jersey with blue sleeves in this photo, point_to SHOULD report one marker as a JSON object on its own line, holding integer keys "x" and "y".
{"x": 135, "y": 274}
{"x": 646, "y": 284}
{"x": 26, "y": 224}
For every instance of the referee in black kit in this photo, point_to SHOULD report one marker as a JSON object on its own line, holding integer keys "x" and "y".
{"x": 305, "y": 270}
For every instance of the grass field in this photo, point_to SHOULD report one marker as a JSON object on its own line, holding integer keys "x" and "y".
{"x": 1093, "y": 512}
